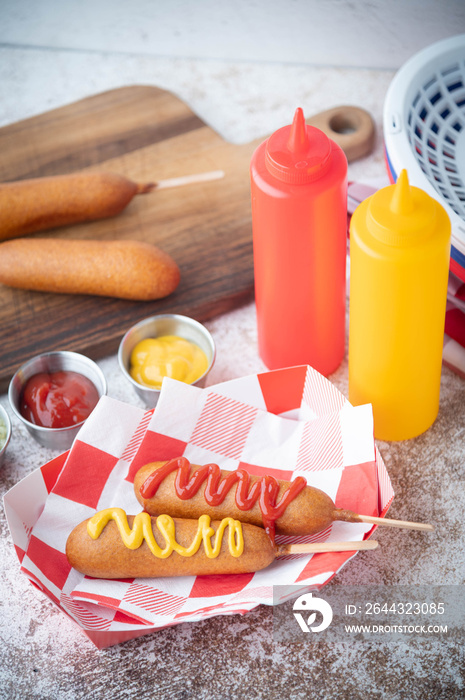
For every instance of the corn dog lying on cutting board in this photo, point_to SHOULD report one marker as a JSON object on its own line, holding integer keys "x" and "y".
{"x": 37, "y": 204}
{"x": 113, "y": 545}
{"x": 121, "y": 269}
{"x": 28, "y": 206}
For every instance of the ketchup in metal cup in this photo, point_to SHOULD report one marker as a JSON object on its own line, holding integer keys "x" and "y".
{"x": 58, "y": 399}
{"x": 299, "y": 220}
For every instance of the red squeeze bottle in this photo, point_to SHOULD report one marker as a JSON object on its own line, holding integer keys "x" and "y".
{"x": 299, "y": 220}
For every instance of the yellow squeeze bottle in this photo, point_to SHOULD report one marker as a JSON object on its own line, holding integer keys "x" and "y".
{"x": 399, "y": 264}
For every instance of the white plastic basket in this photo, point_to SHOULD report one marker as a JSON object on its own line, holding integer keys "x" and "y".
{"x": 424, "y": 131}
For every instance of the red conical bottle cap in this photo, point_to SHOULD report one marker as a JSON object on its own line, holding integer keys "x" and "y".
{"x": 298, "y": 137}
{"x": 298, "y": 153}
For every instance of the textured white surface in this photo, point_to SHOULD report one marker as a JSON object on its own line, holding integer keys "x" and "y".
{"x": 365, "y": 34}
{"x": 52, "y": 53}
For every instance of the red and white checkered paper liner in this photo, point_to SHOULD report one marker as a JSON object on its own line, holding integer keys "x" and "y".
{"x": 286, "y": 422}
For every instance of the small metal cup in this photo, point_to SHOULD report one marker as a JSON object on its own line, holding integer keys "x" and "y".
{"x": 5, "y": 419}
{"x": 153, "y": 327}
{"x": 63, "y": 360}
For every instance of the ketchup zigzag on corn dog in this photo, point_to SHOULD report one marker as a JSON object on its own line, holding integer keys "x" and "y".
{"x": 281, "y": 507}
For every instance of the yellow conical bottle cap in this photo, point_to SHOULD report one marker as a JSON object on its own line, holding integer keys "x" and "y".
{"x": 401, "y": 214}
{"x": 402, "y": 199}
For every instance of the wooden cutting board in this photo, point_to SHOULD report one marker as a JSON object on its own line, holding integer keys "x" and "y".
{"x": 145, "y": 134}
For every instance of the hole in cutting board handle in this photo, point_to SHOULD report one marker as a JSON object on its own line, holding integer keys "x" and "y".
{"x": 352, "y": 128}
{"x": 342, "y": 124}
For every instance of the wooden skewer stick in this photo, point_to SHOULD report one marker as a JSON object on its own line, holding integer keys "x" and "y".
{"x": 189, "y": 179}
{"x": 395, "y": 523}
{"x": 313, "y": 547}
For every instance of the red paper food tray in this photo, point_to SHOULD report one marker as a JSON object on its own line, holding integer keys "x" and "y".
{"x": 287, "y": 422}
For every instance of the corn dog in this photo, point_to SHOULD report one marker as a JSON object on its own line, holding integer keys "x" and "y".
{"x": 281, "y": 507}
{"x": 112, "y": 545}
{"x": 115, "y": 545}
{"x": 37, "y": 204}
{"x": 287, "y": 508}
{"x": 121, "y": 269}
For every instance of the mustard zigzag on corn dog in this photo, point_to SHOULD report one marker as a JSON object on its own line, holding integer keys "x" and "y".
{"x": 141, "y": 531}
